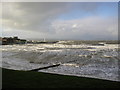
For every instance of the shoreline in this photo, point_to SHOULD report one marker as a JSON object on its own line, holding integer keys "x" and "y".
{"x": 30, "y": 79}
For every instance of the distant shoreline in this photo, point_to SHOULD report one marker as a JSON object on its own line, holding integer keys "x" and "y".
{"x": 70, "y": 42}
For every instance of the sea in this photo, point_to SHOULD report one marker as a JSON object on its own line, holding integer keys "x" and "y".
{"x": 94, "y": 59}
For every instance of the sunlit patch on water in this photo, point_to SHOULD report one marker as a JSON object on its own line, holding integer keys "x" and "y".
{"x": 70, "y": 64}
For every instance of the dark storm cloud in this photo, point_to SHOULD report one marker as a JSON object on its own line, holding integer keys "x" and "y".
{"x": 31, "y": 16}
{"x": 36, "y": 15}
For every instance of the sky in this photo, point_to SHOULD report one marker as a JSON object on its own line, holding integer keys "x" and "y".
{"x": 60, "y": 20}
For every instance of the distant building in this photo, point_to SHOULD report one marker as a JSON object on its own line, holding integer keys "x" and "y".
{"x": 0, "y": 40}
{"x": 11, "y": 41}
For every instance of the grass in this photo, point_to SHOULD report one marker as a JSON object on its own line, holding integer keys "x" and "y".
{"x": 27, "y": 79}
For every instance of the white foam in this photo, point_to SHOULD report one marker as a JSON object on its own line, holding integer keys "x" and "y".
{"x": 80, "y": 60}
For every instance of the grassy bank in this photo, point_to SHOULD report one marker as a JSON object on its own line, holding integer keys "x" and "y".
{"x": 25, "y": 79}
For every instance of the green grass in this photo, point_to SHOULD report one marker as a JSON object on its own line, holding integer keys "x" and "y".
{"x": 27, "y": 79}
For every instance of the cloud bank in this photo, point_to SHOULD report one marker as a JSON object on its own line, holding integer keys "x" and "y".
{"x": 41, "y": 19}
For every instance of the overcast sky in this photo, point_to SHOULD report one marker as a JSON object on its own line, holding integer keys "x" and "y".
{"x": 61, "y": 20}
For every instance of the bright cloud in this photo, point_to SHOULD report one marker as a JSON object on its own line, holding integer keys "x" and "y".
{"x": 92, "y": 27}
{"x": 57, "y": 20}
